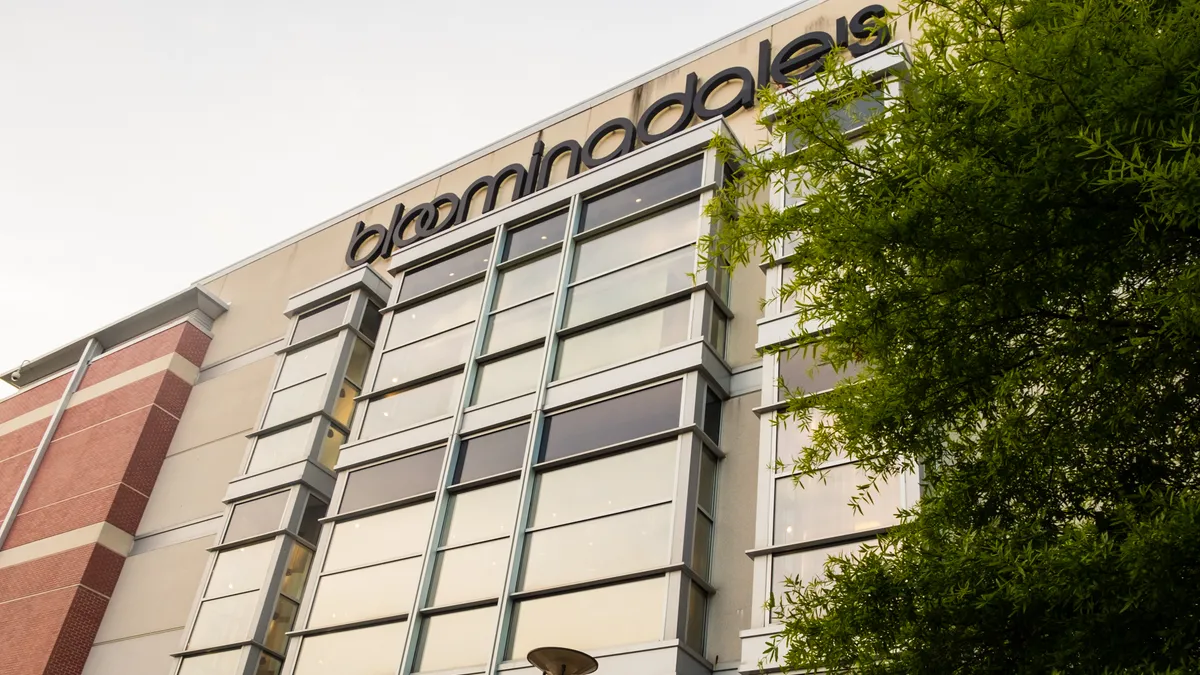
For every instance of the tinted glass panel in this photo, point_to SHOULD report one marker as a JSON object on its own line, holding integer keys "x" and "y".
{"x": 221, "y": 663}
{"x": 697, "y": 609}
{"x": 403, "y": 409}
{"x": 307, "y": 363}
{"x": 375, "y": 650}
{"x": 224, "y": 620}
{"x": 310, "y": 525}
{"x": 397, "y": 479}
{"x": 321, "y": 320}
{"x": 445, "y": 271}
{"x": 645, "y": 192}
{"x": 605, "y": 485}
{"x": 331, "y": 447}
{"x": 383, "y": 536}
{"x": 360, "y": 358}
{"x": 630, "y": 287}
{"x": 702, "y": 545}
{"x": 268, "y": 665}
{"x": 624, "y": 340}
{"x": 807, "y": 372}
{"x": 447, "y": 311}
{"x": 641, "y": 413}
{"x": 371, "y": 321}
{"x": 616, "y": 615}
{"x": 594, "y": 549}
{"x": 457, "y": 640}
{"x": 365, "y": 593}
{"x": 656, "y": 234}
{"x": 527, "y": 281}
{"x": 491, "y": 454}
{"x": 295, "y": 401}
{"x": 508, "y": 377}
{"x": 712, "y": 415}
{"x": 806, "y": 566}
{"x": 281, "y": 447}
{"x": 822, "y": 509}
{"x": 298, "y": 562}
{"x": 343, "y": 405}
{"x": 282, "y": 618}
{"x": 470, "y": 572}
{"x": 531, "y": 237}
{"x": 706, "y": 492}
{"x": 485, "y": 513}
{"x": 256, "y": 517}
{"x": 425, "y": 357}
{"x": 521, "y": 324}
{"x": 240, "y": 569}
{"x": 792, "y": 437}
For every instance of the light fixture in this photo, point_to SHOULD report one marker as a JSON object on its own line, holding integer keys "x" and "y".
{"x": 562, "y": 661}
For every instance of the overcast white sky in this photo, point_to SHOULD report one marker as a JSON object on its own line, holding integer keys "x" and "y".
{"x": 146, "y": 144}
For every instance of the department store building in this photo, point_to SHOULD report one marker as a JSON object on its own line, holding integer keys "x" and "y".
{"x": 500, "y": 407}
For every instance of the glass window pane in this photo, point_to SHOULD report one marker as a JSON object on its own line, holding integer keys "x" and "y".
{"x": 331, "y": 447}
{"x": 791, "y": 438}
{"x": 301, "y": 399}
{"x": 282, "y": 618}
{"x": 457, "y": 640}
{"x": 646, "y": 192}
{"x": 296, "y": 572}
{"x": 804, "y": 371}
{"x": 697, "y": 610}
{"x": 519, "y": 325}
{"x": 400, "y": 478}
{"x": 624, "y": 340}
{"x": 630, "y": 287}
{"x": 594, "y": 549}
{"x": 508, "y": 377}
{"x": 371, "y": 321}
{"x": 426, "y": 357}
{"x": 307, "y": 363}
{"x": 383, "y": 536}
{"x": 280, "y": 448}
{"x": 224, "y": 620}
{"x": 446, "y": 311}
{"x": 527, "y": 281}
{"x": 343, "y": 405}
{"x": 268, "y": 665}
{"x": 481, "y": 514}
{"x": 310, "y": 525}
{"x": 777, "y": 304}
{"x": 718, "y": 329}
{"x": 444, "y": 271}
{"x": 528, "y": 238}
{"x": 240, "y": 569}
{"x": 470, "y": 573}
{"x": 321, "y": 320}
{"x": 375, "y": 650}
{"x": 806, "y": 566}
{"x": 409, "y": 407}
{"x": 220, "y": 663}
{"x": 360, "y": 358}
{"x": 712, "y": 415}
{"x": 256, "y": 517}
{"x": 706, "y": 493}
{"x": 365, "y": 593}
{"x": 702, "y": 545}
{"x": 592, "y": 619}
{"x": 612, "y": 483}
{"x": 822, "y": 509}
{"x": 641, "y": 413}
{"x": 657, "y": 233}
{"x": 490, "y": 454}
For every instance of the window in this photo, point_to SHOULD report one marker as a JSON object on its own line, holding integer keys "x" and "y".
{"x": 331, "y": 447}
{"x": 821, "y": 509}
{"x": 623, "y": 341}
{"x": 805, "y": 371}
{"x": 320, "y": 320}
{"x": 482, "y": 514}
{"x": 453, "y": 309}
{"x": 280, "y": 448}
{"x": 296, "y": 571}
{"x": 631, "y": 286}
{"x": 343, "y": 404}
{"x": 528, "y": 281}
{"x": 282, "y": 618}
{"x": 806, "y": 566}
{"x": 240, "y": 569}
{"x": 598, "y": 548}
{"x": 296, "y": 401}
{"x": 457, "y": 640}
{"x": 529, "y": 238}
{"x": 778, "y": 303}
{"x": 642, "y": 412}
{"x": 305, "y": 364}
{"x": 447, "y": 270}
{"x": 380, "y": 537}
{"x": 490, "y": 454}
{"x": 364, "y": 651}
{"x": 519, "y": 325}
{"x": 620, "y": 614}
{"x": 508, "y": 377}
{"x": 400, "y": 478}
{"x": 365, "y": 593}
{"x": 697, "y": 613}
{"x": 410, "y": 407}
{"x": 224, "y": 620}
{"x": 702, "y": 545}
{"x": 371, "y": 321}
{"x": 219, "y": 663}
{"x": 425, "y": 357}
{"x": 310, "y": 521}
{"x": 474, "y": 555}
{"x": 256, "y": 517}
{"x": 716, "y": 331}
{"x": 656, "y": 234}
{"x": 702, "y": 535}
{"x": 643, "y": 193}
{"x": 643, "y": 477}
{"x": 360, "y": 358}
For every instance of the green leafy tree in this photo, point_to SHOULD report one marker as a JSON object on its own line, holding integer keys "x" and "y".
{"x": 1012, "y": 252}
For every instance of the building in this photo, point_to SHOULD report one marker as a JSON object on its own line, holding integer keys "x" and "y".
{"x": 488, "y": 411}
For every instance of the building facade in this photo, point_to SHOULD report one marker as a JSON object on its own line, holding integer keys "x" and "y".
{"x": 501, "y": 407}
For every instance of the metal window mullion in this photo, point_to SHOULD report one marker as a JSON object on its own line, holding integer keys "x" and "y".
{"x": 449, "y": 461}
{"x": 532, "y": 444}
{"x": 269, "y": 592}
{"x": 304, "y": 611}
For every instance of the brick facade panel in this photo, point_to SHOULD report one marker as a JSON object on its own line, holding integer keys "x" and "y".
{"x": 29, "y": 629}
{"x": 116, "y": 403}
{"x": 78, "y": 630}
{"x": 132, "y": 356}
{"x": 32, "y": 399}
{"x": 193, "y": 344}
{"x": 12, "y": 471}
{"x": 93, "y": 565}
{"x": 22, "y": 440}
{"x": 173, "y": 394}
{"x": 143, "y": 465}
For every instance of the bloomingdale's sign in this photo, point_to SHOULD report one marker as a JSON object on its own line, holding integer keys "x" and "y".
{"x": 801, "y": 58}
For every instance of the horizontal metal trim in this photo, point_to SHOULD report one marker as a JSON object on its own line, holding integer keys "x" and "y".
{"x": 379, "y": 508}
{"x": 501, "y": 354}
{"x": 614, "y": 448}
{"x": 430, "y": 336}
{"x": 661, "y": 570}
{"x": 505, "y": 265}
{"x": 469, "y": 544}
{"x": 313, "y": 339}
{"x": 227, "y": 647}
{"x": 600, "y": 516}
{"x": 459, "y": 606}
{"x": 865, "y": 535}
{"x": 247, "y": 541}
{"x": 628, "y": 312}
{"x": 466, "y": 486}
{"x": 365, "y": 623}
{"x": 374, "y": 563}
{"x": 392, "y": 454}
{"x": 411, "y": 384}
{"x": 501, "y": 310}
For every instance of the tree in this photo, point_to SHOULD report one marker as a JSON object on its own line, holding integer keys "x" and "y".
{"x": 1013, "y": 254}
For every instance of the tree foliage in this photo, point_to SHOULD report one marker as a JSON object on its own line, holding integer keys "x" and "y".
{"x": 1012, "y": 252}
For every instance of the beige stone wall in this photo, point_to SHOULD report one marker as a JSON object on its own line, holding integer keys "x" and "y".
{"x": 155, "y": 591}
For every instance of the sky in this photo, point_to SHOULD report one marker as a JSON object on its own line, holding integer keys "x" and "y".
{"x": 147, "y": 144}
